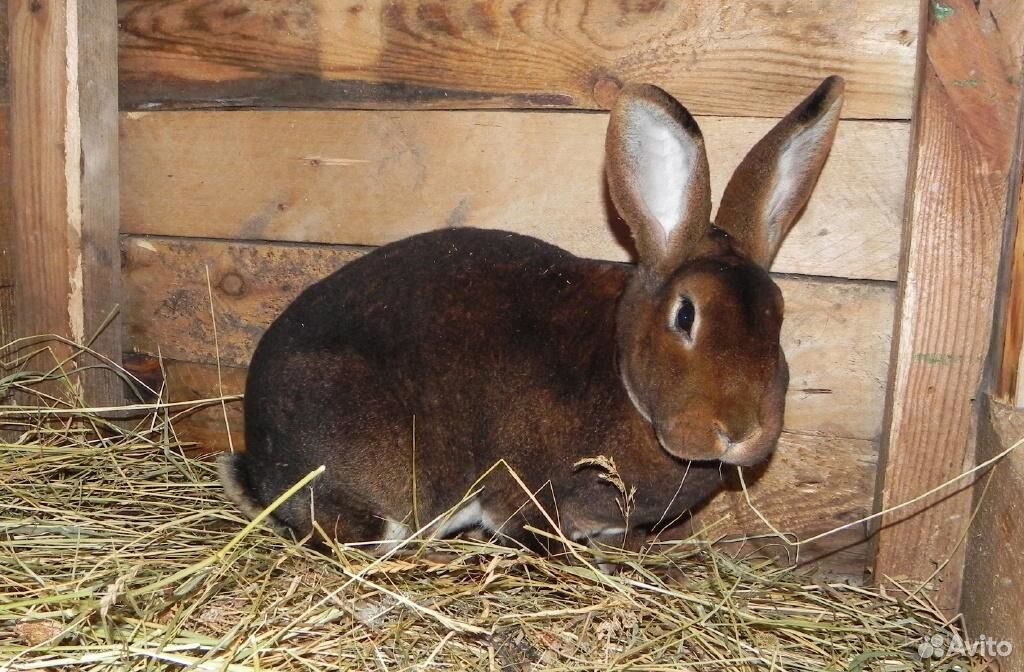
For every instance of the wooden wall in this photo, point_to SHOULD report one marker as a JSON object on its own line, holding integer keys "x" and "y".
{"x": 437, "y": 114}
{"x": 958, "y": 228}
{"x": 6, "y": 267}
{"x": 61, "y": 235}
{"x": 993, "y": 585}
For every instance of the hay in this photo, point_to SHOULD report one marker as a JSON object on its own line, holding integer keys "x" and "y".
{"x": 117, "y": 551}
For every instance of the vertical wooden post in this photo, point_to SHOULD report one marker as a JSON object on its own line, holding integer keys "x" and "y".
{"x": 965, "y": 120}
{"x": 6, "y": 262}
{"x": 63, "y": 72}
{"x": 1008, "y": 364}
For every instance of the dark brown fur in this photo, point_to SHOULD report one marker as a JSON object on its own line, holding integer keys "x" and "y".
{"x": 497, "y": 346}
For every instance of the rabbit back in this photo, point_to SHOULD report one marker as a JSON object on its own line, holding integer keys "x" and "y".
{"x": 486, "y": 345}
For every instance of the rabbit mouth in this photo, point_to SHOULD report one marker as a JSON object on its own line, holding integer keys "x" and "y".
{"x": 750, "y": 451}
{"x": 742, "y": 456}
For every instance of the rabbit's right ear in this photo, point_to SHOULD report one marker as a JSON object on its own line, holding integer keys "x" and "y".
{"x": 658, "y": 175}
{"x": 773, "y": 182}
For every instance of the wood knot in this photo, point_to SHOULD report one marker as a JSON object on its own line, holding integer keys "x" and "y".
{"x": 606, "y": 90}
{"x": 232, "y": 284}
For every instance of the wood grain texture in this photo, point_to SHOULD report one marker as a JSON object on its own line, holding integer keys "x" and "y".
{"x": 1008, "y": 340}
{"x": 5, "y": 89}
{"x": 371, "y": 178}
{"x": 729, "y": 58}
{"x": 958, "y": 189}
{"x": 6, "y": 234}
{"x": 836, "y": 334}
{"x": 99, "y": 191}
{"x": 46, "y": 247}
{"x": 1008, "y": 358}
{"x": 994, "y": 576}
{"x": 813, "y": 483}
{"x": 7, "y": 279}
{"x": 208, "y": 429}
{"x": 64, "y": 186}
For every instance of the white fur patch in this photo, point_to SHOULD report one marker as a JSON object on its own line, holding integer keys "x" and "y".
{"x": 664, "y": 167}
{"x": 488, "y": 523}
{"x": 792, "y": 170}
{"x": 602, "y": 535}
{"x": 395, "y": 532}
{"x": 470, "y": 515}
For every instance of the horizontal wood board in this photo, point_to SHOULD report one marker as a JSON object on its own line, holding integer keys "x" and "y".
{"x": 836, "y": 334}
{"x": 370, "y": 178}
{"x": 813, "y": 484}
{"x": 738, "y": 58}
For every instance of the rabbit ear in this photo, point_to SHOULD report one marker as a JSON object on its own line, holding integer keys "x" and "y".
{"x": 658, "y": 175}
{"x": 773, "y": 182}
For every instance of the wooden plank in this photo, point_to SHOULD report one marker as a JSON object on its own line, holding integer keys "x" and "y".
{"x": 1008, "y": 359}
{"x": 371, "y": 178}
{"x": 728, "y": 58}
{"x": 6, "y": 234}
{"x": 166, "y": 292}
{"x": 63, "y": 130}
{"x": 966, "y": 116}
{"x": 6, "y": 241}
{"x": 210, "y": 429}
{"x": 994, "y": 576}
{"x": 45, "y": 247}
{"x": 836, "y": 334}
{"x": 99, "y": 190}
{"x": 813, "y": 484}
{"x": 5, "y": 89}
{"x": 835, "y": 474}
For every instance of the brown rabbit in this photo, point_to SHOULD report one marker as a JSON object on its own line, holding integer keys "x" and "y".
{"x": 497, "y": 346}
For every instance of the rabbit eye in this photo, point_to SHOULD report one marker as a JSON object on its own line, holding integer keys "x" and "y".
{"x": 685, "y": 316}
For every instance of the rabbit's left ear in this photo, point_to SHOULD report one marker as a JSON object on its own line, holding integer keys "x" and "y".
{"x": 658, "y": 175}
{"x": 773, "y": 182}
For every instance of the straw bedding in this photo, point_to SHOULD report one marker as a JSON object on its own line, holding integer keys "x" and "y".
{"x": 118, "y": 551}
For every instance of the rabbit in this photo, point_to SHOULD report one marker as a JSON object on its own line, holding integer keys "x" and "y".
{"x": 415, "y": 369}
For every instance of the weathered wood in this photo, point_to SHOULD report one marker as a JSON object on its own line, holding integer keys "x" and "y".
{"x": 64, "y": 182}
{"x": 730, "y": 59}
{"x": 169, "y": 305}
{"x": 1015, "y": 335}
{"x": 371, "y": 178}
{"x": 1009, "y": 373}
{"x": 836, "y": 334}
{"x": 6, "y": 241}
{"x": 812, "y": 485}
{"x": 5, "y": 91}
{"x": 45, "y": 247}
{"x": 209, "y": 429}
{"x": 994, "y": 576}
{"x": 1008, "y": 343}
{"x": 6, "y": 234}
{"x": 99, "y": 191}
{"x": 967, "y": 113}
{"x": 39, "y": 120}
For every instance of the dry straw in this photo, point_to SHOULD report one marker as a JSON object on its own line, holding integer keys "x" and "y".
{"x": 119, "y": 552}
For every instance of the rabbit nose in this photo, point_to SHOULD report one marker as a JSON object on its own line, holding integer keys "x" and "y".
{"x": 725, "y": 436}
{"x": 742, "y": 450}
